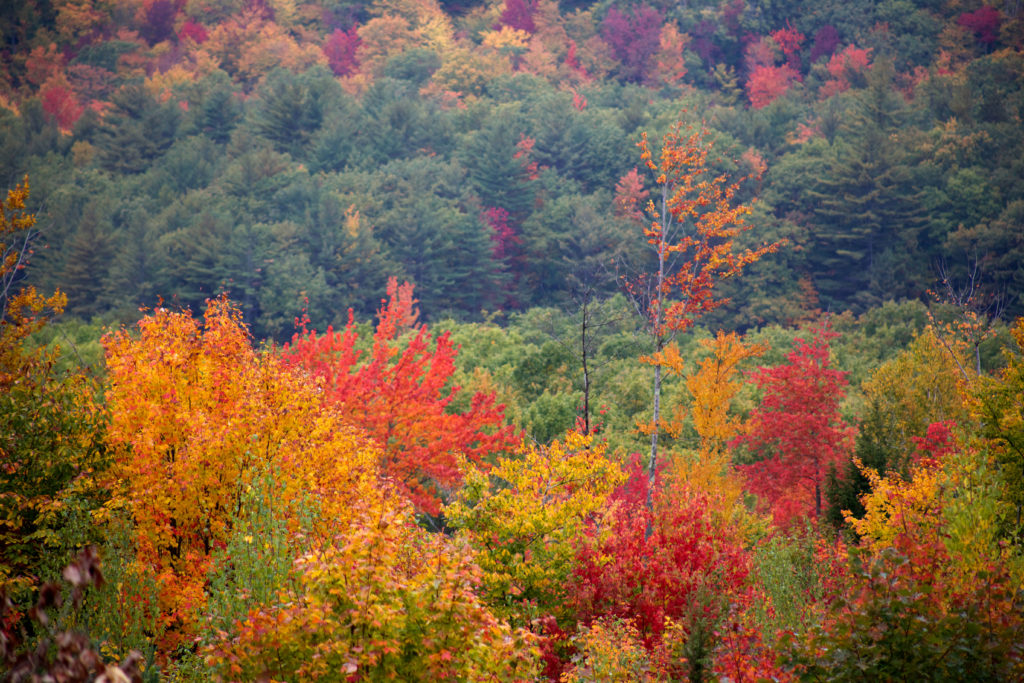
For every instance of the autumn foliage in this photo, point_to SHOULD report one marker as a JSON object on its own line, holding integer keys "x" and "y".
{"x": 197, "y": 416}
{"x": 797, "y": 433}
{"x": 400, "y": 395}
{"x": 673, "y": 564}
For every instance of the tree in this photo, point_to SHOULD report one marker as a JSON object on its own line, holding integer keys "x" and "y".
{"x": 767, "y": 82}
{"x": 400, "y": 396}
{"x": 197, "y": 416}
{"x": 386, "y": 601}
{"x": 525, "y": 529}
{"x": 796, "y": 432}
{"x": 691, "y": 232}
{"x": 867, "y": 211}
{"x": 675, "y": 564}
{"x": 51, "y": 425}
{"x": 340, "y": 48}
{"x": 135, "y": 131}
{"x": 634, "y": 39}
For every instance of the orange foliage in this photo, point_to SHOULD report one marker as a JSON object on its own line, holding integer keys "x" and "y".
{"x": 22, "y": 311}
{"x": 698, "y": 225}
{"x": 196, "y": 416}
{"x": 767, "y": 83}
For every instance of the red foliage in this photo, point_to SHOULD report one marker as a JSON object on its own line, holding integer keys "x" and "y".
{"x": 852, "y": 60}
{"x": 647, "y": 565}
{"x": 766, "y": 83}
{"x": 340, "y": 48}
{"x": 742, "y": 655}
{"x": 59, "y": 102}
{"x": 524, "y": 150}
{"x": 984, "y": 22}
{"x": 630, "y": 196}
{"x": 401, "y": 395}
{"x": 43, "y": 63}
{"x": 789, "y": 41}
{"x": 825, "y": 42}
{"x": 938, "y": 442}
{"x": 505, "y": 239}
{"x": 518, "y": 14}
{"x": 797, "y": 431}
{"x": 634, "y": 39}
{"x": 194, "y": 31}
{"x": 573, "y": 61}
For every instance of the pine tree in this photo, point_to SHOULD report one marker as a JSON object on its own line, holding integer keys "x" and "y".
{"x": 867, "y": 213}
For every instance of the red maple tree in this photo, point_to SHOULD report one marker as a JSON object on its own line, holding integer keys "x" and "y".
{"x": 401, "y": 395}
{"x": 797, "y": 431}
{"x": 340, "y": 49}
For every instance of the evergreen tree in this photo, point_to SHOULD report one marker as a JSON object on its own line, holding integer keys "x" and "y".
{"x": 220, "y": 110}
{"x": 868, "y": 214}
{"x": 136, "y": 131}
{"x": 88, "y": 256}
{"x": 500, "y": 178}
{"x": 874, "y": 448}
{"x": 290, "y": 109}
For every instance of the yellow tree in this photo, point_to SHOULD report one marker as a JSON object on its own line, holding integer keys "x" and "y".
{"x": 524, "y": 531}
{"x": 712, "y": 386}
{"x": 691, "y": 226}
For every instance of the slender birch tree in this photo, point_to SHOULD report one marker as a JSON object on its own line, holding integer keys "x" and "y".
{"x": 691, "y": 224}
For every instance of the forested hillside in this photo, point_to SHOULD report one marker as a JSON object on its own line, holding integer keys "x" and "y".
{"x": 516, "y": 341}
{"x": 285, "y": 151}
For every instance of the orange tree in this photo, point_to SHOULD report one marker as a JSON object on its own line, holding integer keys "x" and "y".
{"x": 198, "y": 417}
{"x": 691, "y": 226}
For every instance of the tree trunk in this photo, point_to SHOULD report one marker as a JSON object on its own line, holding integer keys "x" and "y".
{"x": 659, "y": 346}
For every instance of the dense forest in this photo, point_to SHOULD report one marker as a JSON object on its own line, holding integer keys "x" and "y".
{"x": 511, "y": 341}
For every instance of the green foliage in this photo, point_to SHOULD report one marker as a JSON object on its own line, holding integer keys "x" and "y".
{"x": 892, "y": 627}
{"x": 53, "y": 452}
{"x": 255, "y": 565}
{"x": 526, "y": 517}
{"x": 123, "y": 614}
{"x": 136, "y": 132}
{"x": 787, "y": 569}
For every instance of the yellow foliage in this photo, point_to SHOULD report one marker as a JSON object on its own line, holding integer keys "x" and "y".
{"x": 610, "y": 651}
{"x": 507, "y": 39}
{"x": 382, "y": 37}
{"x": 523, "y": 530}
{"x": 24, "y": 311}
{"x": 197, "y": 416}
{"x": 468, "y": 72}
{"x": 919, "y": 386}
{"x": 713, "y": 389}
{"x": 953, "y": 502}
{"x": 896, "y": 505}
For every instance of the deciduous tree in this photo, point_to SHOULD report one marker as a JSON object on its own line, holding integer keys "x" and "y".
{"x": 400, "y": 395}
{"x": 691, "y": 231}
{"x": 796, "y": 432}
{"x": 196, "y": 416}
{"x": 525, "y": 530}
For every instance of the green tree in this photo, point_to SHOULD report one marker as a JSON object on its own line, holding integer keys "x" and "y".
{"x": 868, "y": 215}
{"x": 88, "y": 255}
{"x": 136, "y": 131}
{"x": 290, "y": 109}
{"x": 499, "y": 178}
